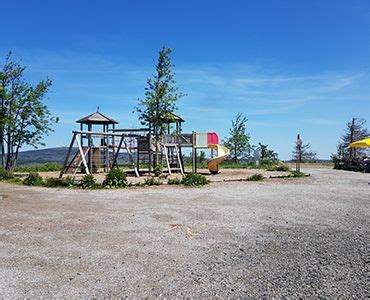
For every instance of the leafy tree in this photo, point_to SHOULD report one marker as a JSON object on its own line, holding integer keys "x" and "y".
{"x": 202, "y": 157}
{"x": 24, "y": 119}
{"x": 354, "y": 131}
{"x": 267, "y": 154}
{"x": 238, "y": 141}
{"x": 304, "y": 153}
{"x": 161, "y": 96}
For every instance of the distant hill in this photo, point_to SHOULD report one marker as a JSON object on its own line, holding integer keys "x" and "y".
{"x": 52, "y": 155}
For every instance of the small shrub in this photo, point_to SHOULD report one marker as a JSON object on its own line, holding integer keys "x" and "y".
{"x": 6, "y": 175}
{"x": 158, "y": 170}
{"x": 33, "y": 179}
{"x": 152, "y": 181}
{"x": 296, "y": 174}
{"x": 194, "y": 179}
{"x": 255, "y": 177}
{"x": 174, "y": 181}
{"x": 88, "y": 181}
{"x": 116, "y": 178}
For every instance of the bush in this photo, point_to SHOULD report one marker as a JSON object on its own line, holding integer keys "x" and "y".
{"x": 174, "y": 181}
{"x": 158, "y": 170}
{"x": 116, "y": 178}
{"x": 88, "y": 181}
{"x": 6, "y": 175}
{"x": 194, "y": 180}
{"x": 152, "y": 181}
{"x": 33, "y": 179}
{"x": 255, "y": 177}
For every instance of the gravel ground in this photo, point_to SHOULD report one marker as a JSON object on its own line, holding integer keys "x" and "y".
{"x": 280, "y": 238}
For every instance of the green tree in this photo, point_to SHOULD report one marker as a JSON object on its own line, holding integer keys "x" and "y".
{"x": 266, "y": 153}
{"x": 24, "y": 119}
{"x": 161, "y": 96}
{"x": 238, "y": 141}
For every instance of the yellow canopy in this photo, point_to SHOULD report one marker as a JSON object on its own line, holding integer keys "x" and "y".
{"x": 361, "y": 143}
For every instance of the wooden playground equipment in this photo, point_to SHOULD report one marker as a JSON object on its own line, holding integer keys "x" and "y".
{"x": 100, "y": 151}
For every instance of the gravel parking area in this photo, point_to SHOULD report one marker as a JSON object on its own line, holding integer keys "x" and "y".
{"x": 302, "y": 237}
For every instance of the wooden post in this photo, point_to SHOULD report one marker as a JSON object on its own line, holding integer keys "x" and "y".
{"x": 107, "y": 150}
{"x": 68, "y": 155}
{"x": 81, "y": 137}
{"x": 90, "y": 145}
{"x": 150, "y": 149}
{"x": 194, "y": 163}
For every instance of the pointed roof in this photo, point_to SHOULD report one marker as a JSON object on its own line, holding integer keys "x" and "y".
{"x": 97, "y": 118}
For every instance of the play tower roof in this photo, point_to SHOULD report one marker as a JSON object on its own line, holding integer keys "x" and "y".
{"x": 97, "y": 118}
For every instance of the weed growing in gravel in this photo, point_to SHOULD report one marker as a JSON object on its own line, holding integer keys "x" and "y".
{"x": 255, "y": 177}
{"x": 33, "y": 179}
{"x": 193, "y": 179}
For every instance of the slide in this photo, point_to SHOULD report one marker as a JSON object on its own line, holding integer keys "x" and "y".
{"x": 214, "y": 163}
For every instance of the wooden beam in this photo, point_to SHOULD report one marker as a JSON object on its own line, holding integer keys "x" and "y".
{"x": 68, "y": 155}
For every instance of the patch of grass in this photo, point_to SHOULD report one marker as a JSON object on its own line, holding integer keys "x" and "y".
{"x": 14, "y": 180}
{"x": 88, "y": 181}
{"x": 6, "y": 175}
{"x": 46, "y": 167}
{"x": 116, "y": 178}
{"x": 152, "y": 181}
{"x": 68, "y": 181}
{"x": 279, "y": 168}
{"x": 33, "y": 179}
{"x": 193, "y": 179}
{"x": 173, "y": 181}
{"x": 137, "y": 184}
{"x": 256, "y": 177}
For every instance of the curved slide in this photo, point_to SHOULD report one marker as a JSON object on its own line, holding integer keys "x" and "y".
{"x": 214, "y": 163}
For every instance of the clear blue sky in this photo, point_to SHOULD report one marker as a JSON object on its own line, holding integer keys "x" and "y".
{"x": 290, "y": 66}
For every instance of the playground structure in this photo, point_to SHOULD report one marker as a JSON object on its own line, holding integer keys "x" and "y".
{"x": 100, "y": 151}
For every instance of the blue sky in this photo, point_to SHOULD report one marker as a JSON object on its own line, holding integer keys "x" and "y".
{"x": 290, "y": 66}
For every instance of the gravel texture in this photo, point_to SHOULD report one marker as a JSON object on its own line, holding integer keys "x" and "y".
{"x": 302, "y": 237}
